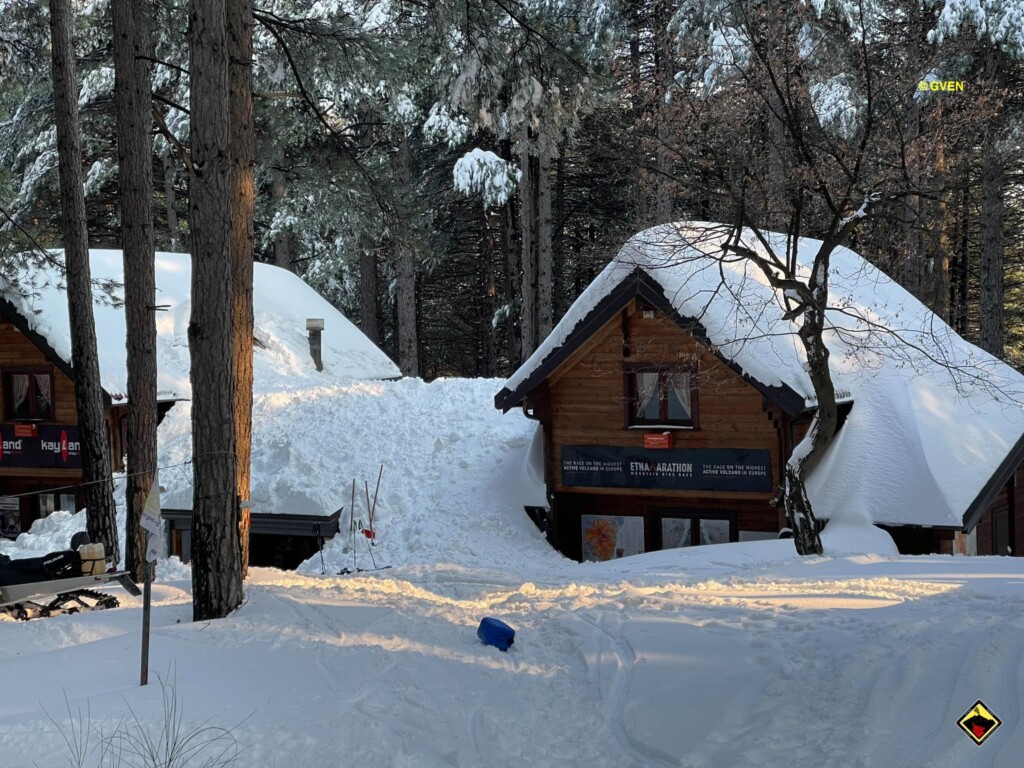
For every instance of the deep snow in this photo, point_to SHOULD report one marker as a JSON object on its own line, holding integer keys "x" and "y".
{"x": 728, "y": 655}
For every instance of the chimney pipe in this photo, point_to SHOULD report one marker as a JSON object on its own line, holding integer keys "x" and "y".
{"x": 315, "y": 326}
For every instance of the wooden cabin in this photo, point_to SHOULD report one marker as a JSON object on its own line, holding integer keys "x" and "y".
{"x": 40, "y": 458}
{"x": 654, "y": 438}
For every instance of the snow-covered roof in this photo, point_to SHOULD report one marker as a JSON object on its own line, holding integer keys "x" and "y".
{"x": 934, "y": 418}
{"x": 281, "y": 304}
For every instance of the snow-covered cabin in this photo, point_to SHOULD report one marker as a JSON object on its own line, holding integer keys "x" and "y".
{"x": 674, "y": 390}
{"x": 39, "y": 421}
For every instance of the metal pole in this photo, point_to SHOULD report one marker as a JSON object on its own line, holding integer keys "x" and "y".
{"x": 146, "y": 595}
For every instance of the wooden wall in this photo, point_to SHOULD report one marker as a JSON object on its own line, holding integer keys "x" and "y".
{"x": 17, "y": 351}
{"x": 1002, "y": 525}
{"x": 584, "y": 403}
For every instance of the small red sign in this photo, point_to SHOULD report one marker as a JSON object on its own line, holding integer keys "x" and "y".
{"x": 658, "y": 440}
{"x": 26, "y": 430}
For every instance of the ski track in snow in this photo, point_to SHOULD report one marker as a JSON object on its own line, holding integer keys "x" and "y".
{"x": 757, "y": 667}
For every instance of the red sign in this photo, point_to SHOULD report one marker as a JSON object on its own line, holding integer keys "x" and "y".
{"x": 26, "y": 430}
{"x": 658, "y": 440}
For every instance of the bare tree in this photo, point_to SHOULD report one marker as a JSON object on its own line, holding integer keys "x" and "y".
{"x": 826, "y": 160}
{"x": 89, "y": 396}
{"x": 216, "y": 552}
{"x": 132, "y": 72}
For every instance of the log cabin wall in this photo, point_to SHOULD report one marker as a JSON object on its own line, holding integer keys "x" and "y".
{"x": 585, "y": 403}
{"x": 18, "y": 352}
{"x": 1001, "y": 529}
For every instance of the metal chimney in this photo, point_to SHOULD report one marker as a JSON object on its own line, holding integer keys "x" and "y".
{"x": 315, "y": 326}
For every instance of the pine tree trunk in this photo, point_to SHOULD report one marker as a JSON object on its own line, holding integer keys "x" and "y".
{"x": 216, "y": 561}
{"x": 663, "y": 73}
{"x": 135, "y": 173}
{"x": 282, "y": 239}
{"x": 991, "y": 315}
{"x": 527, "y": 225}
{"x": 90, "y": 399}
{"x": 940, "y": 277}
{"x": 912, "y": 277}
{"x": 545, "y": 249}
{"x": 490, "y": 299}
{"x": 511, "y": 262}
{"x": 239, "y": 31}
{"x": 367, "y": 257}
{"x": 170, "y": 201}
{"x": 408, "y": 346}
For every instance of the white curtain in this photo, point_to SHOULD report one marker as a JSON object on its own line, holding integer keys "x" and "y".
{"x": 680, "y": 383}
{"x": 19, "y": 390}
{"x": 43, "y": 397}
{"x": 646, "y": 389}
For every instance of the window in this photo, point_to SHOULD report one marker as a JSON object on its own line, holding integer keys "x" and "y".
{"x": 28, "y": 395}
{"x": 661, "y": 397}
{"x": 52, "y": 502}
{"x": 696, "y": 529}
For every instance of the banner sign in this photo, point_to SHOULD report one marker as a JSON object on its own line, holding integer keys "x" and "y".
{"x": 54, "y": 446}
{"x": 681, "y": 469}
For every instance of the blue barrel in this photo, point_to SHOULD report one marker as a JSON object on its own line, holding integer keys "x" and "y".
{"x": 497, "y": 633}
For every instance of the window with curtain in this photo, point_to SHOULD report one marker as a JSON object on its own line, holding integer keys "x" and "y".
{"x": 28, "y": 395}
{"x": 661, "y": 397}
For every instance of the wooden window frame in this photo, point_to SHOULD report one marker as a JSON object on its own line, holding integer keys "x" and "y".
{"x": 629, "y": 382}
{"x": 31, "y": 371}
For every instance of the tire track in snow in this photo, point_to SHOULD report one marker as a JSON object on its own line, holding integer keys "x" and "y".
{"x": 639, "y": 753}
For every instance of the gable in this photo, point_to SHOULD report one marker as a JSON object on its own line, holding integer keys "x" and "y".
{"x": 638, "y": 285}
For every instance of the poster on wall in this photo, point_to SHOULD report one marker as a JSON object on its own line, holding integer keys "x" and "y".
{"x": 685, "y": 469}
{"x": 606, "y": 537}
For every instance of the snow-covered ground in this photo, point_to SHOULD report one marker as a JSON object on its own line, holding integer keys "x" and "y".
{"x": 729, "y": 655}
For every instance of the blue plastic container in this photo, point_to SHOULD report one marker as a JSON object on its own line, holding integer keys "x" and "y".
{"x": 497, "y": 633}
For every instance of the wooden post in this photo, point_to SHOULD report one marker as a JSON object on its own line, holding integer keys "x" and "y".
{"x": 147, "y": 592}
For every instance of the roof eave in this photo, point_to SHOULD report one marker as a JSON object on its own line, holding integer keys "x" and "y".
{"x": 999, "y": 478}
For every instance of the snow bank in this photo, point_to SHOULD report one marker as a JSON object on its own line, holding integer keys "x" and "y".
{"x": 453, "y": 467}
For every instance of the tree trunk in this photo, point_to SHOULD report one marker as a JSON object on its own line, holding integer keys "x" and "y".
{"x": 133, "y": 71}
{"x": 527, "y": 223}
{"x": 367, "y": 256}
{"x": 912, "y": 273}
{"x": 216, "y": 561}
{"x": 170, "y": 201}
{"x": 239, "y": 31}
{"x": 663, "y": 73}
{"x": 511, "y": 262}
{"x": 992, "y": 324}
{"x": 90, "y": 399}
{"x": 545, "y": 251}
{"x": 940, "y": 277}
{"x": 823, "y": 428}
{"x": 282, "y": 238}
{"x": 408, "y": 347}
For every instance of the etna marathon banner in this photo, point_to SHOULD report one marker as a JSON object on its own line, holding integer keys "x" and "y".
{"x": 52, "y": 447}
{"x": 682, "y": 469}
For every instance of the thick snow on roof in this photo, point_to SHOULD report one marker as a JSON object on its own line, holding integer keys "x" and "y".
{"x": 933, "y": 416}
{"x": 281, "y": 301}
